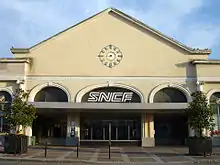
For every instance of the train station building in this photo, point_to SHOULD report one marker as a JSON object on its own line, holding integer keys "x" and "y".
{"x": 110, "y": 76}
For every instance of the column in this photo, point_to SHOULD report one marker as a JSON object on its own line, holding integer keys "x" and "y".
{"x": 147, "y": 130}
{"x": 151, "y": 125}
{"x": 73, "y": 128}
{"x": 28, "y": 131}
{"x": 143, "y": 125}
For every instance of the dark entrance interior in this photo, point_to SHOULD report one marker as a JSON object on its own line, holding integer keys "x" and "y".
{"x": 50, "y": 127}
{"x": 121, "y": 128}
{"x": 170, "y": 129}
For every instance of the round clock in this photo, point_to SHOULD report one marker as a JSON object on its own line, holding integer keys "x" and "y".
{"x": 110, "y": 56}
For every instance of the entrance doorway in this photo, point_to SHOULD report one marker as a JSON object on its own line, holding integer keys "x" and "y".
{"x": 120, "y": 129}
{"x": 50, "y": 128}
{"x": 170, "y": 129}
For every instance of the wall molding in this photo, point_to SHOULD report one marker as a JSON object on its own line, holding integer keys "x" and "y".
{"x": 5, "y": 77}
{"x": 209, "y": 79}
{"x": 54, "y": 78}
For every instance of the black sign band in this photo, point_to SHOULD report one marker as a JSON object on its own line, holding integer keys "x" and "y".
{"x": 111, "y": 95}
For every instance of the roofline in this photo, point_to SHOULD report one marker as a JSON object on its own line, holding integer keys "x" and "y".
{"x": 213, "y": 61}
{"x": 75, "y": 25}
{"x": 179, "y": 44}
{"x": 15, "y": 60}
{"x": 134, "y": 20}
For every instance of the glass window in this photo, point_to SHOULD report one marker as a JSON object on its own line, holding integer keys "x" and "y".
{"x": 51, "y": 94}
{"x": 216, "y": 108}
{"x": 4, "y": 127}
{"x": 170, "y": 95}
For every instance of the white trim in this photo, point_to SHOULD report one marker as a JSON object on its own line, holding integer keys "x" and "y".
{"x": 5, "y": 89}
{"x": 170, "y": 78}
{"x": 83, "y": 107}
{"x": 83, "y": 91}
{"x": 54, "y": 78}
{"x": 169, "y": 85}
{"x": 209, "y": 79}
{"x": 39, "y": 87}
{"x": 4, "y": 77}
{"x": 206, "y": 62}
{"x": 211, "y": 92}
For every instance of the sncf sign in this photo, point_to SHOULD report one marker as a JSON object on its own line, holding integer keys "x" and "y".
{"x": 111, "y": 95}
{"x": 114, "y": 97}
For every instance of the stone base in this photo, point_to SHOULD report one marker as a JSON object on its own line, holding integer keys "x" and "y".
{"x": 148, "y": 142}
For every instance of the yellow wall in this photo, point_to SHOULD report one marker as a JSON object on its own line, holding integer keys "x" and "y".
{"x": 210, "y": 86}
{"x": 148, "y": 125}
{"x": 208, "y": 70}
{"x": 12, "y": 69}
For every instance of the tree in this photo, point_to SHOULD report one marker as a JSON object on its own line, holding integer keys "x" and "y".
{"x": 200, "y": 113}
{"x": 20, "y": 112}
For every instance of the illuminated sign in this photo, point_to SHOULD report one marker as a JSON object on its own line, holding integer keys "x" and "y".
{"x": 115, "y": 97}
{"x": 111, "y": 95}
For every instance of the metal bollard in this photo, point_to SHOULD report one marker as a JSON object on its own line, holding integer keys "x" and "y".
{"x": 109, "y": 150}
{"x": 77, "y": 147}
{"x": 16, "y": 145}
{"x": 45, "y": 149}
{"x": 109, "y": 138}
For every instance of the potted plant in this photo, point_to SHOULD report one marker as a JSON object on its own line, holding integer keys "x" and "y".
{"x": 19, "y": 114}
{"x": 200, "y": 117}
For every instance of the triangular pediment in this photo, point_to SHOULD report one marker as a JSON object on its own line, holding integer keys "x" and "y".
{"x": 128, "y": 18}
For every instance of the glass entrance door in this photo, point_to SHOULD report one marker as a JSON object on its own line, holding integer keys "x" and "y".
{"x": 123, "y": 131}
{"x": 121, "y": 128}
{"x": 97, "y": 130}
{"x": 110, "y": 128}
{"x": 118, "y": 129}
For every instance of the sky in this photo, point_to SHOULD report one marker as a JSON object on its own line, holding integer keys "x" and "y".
{"x": 24, "y": 23}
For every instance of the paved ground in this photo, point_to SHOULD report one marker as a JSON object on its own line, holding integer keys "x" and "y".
{"x": 47, "y": 163}
{"x": 35, "y": 163}
{"x": 122, "y": 155}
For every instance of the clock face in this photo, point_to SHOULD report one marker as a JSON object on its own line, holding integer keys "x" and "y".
{"x": 110, "y": 56}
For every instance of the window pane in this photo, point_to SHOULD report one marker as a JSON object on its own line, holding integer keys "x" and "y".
{"x": 216, "y": 109}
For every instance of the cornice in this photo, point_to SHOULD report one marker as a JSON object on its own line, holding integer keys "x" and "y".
{"x": 15, "y": 60}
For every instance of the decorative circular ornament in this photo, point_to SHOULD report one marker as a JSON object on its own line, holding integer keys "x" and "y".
{"x": 110, "y": 56}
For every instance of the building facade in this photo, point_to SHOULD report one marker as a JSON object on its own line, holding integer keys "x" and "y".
{"x": 110, "y": 77}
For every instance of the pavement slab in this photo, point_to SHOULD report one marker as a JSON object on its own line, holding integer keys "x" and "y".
{"x": 148, "y": 160}
{"x": 173, "y": 159}
{"x": 113, "y": 159}
{"x": 137, "y": 155}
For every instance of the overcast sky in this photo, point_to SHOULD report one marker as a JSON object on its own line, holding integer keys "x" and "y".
{"x": 24, "y": 23}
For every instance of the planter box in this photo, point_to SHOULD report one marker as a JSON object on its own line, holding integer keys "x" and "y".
{"x": 2, "y": 140}
{"x": 15, "y": 144}
{"x": 216, "y": 141}
{"x": 199, "y": 146}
